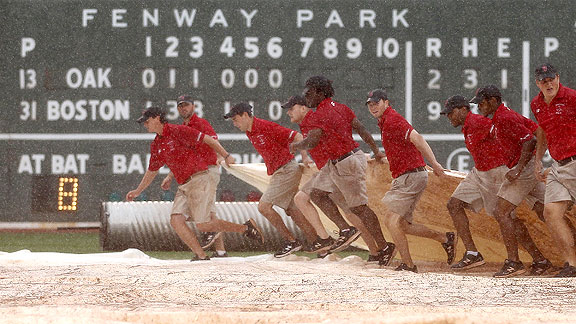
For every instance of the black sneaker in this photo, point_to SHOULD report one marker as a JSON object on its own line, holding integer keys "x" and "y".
{"x": 322, "y": 255}
{"x": 373, "y": 258}
{"x": 469, "y": 261}
{"x": 209, "y": 238}
{"x": 404, "y": 267}
{"x": 567, "y": 271}
{"x": 196, "y": 258}
{"x": 510, "y": 268}
{"x": 322, "y": 245}
{"x": 387, "y": 254}
{"x": 216, "y": 255}
{"x": 540, "y": 267}
{"x": 347, "y": 236}
{"x": 253, "y": 231}
{"x": 289, "y": 248}
{"x": 450, "y": 246}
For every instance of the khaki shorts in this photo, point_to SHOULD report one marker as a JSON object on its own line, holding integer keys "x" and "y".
{"x": 525, "y": 187}
{"x": 216, "y": 172}
{"x": 321, "y": 181}
{"x": 195, "y": 199}
{"x": 561, "y": 183}
{"x": 480, "y": 189}
{"x": 349, "y": 176}
{"x": 283, "y": 185}
{"x": 405, "y": 193}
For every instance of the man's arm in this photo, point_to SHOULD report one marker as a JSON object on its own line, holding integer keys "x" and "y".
{"x": 527, "y": 152}
{"x": 367, "y": 138}
{"x": 541, "y": 145}
{"x": 216, "y": 146}
{"x": 309, "y": 142}
{"x": 426, "y": 151}
{"x": 305, "y": 159}
{"x": 167, "y": 181}
{"x": 144, "y": 183}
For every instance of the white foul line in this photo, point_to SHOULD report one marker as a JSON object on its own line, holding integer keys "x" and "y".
{"x": 526, "y": 79}
{"x": 408, "y": 93}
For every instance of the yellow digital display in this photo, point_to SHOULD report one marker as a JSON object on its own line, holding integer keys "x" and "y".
{"x": 55, "y": 193}
{"x": 67, "y": 194}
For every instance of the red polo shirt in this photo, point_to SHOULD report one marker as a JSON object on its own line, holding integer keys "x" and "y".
{"x": 482, "y": 144}
{"x": 318, "y": 154}
{"x": 272, "y": 141}
{"x": 512, "y": 130}
{"x": 402, "y": 154}
{"x": 335, "y": 120}
{"x": 558, "y": 120}
{"x": 176, "y": 148}
{"x": 204, "y": 150}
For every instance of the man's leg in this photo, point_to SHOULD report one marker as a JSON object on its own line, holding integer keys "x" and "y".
{"x": 302, "y": 223}
{"x": 328, "y": 207}
{"x": 219, "y": 246}
{"x": 456, "y": 209}
{"x": 187, "y": 235}
{"x": 448, "y": 240}
{"x": 423, "y": 231}
{"x": 472, "y": 258}
{"x": 210, "y": 238}
{"x": 556, "y": 222}
{"x": 265, "y": 208}
{"x": 219, "y": 225}
{"x": 527, "y": 242}
{"x": 368, "y": 239}
{"x": 302, "y": 201}
{"x": 503, "y": 212}
{"x": 394, "y": 224}
{"x": 539, "y": 210}
{"x": 372, "y": 224}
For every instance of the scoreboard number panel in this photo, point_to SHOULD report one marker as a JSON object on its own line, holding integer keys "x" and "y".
{"x": 76, "y": 79}
{"x": 54, "y": 194}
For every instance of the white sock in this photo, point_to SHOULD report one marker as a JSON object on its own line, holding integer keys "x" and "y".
{"x": 220, "y": 253}
{"x": 474, "y": 253}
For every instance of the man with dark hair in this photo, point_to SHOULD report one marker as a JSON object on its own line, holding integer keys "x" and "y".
{"x": 555, "y": 110}
{"x": 405, "y": 149}
{"x": 299, "y": 113}
{"x": 186, "y": 109}
{"x": 272, "y": 142}
{"x": 516, "y": 136}
{"x": 175, "y": 146}
{"x": 331, "y": 129}
{"x": 480, "y": 187}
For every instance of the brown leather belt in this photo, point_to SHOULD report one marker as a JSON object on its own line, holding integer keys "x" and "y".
{"x": 345, "y": 155}
{"x": 566, "y": 160}
{"x": 418, "y": 169}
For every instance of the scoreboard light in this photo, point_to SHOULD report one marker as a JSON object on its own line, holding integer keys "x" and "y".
{"x": 55, "y": 193}
{"x": 67, "y": 194}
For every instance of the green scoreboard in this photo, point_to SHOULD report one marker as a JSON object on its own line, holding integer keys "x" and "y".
{"x": 77, "y": 74}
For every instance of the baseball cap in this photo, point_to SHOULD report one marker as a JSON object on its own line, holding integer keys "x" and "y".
{"x": 185, "y": 98}
{"x": 376, "y": 95}
{"x": 545, "y": 71}
{"x": 454, "y": 102}
{"x": 485, "y": 92}
{"x": 150, "y": 112}
{"x": 238, "y": 109}
{"x": 294, "y": 100}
